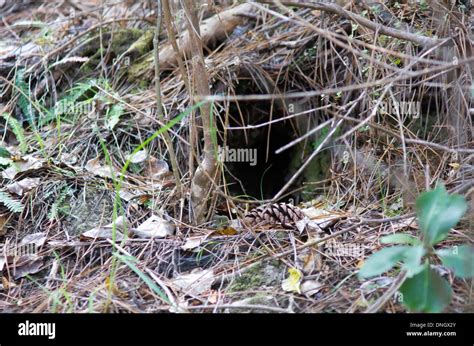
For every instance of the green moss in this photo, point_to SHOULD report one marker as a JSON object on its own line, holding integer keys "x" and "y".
{"x": 262, "y": 274}
{"x": 121, "y": 39}
{"x": 141, "y": 46}
{"x": 250, "y": 279}
{"x": 119, "y": 42}
{"x": 136, "y": 70}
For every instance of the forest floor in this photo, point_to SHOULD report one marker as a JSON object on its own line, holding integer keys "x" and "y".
{"x": 329, "y": 122}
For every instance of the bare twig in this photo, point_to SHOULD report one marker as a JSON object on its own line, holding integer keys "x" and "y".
{"x": 387, "y": 295}
{"x": 201, "y": 183}
{"x": 376, "y": 27}
{"x": 159, "y": 104}
{"x": 167, "y": 16}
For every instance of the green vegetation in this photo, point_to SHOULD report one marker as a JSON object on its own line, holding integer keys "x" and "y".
{"x": 424, "y": 289}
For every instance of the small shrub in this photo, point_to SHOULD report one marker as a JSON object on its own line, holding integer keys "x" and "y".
{"x": 424, "y": 289}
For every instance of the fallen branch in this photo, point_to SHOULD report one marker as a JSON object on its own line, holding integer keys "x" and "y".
{"x": 213, "y": 29}
{"x": 376, "y": 27}
{"x": 159, "y": 104}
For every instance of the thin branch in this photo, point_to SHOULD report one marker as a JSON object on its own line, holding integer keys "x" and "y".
{"x": 167, "y": 16}
{"x": 205, "y": 173}
{"x": 159, "y": 104}
{"x": 376, "y": 27}
{"x": 388, "y": 294}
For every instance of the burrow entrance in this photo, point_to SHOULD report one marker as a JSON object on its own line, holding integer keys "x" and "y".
{"x": 252, "y": 168}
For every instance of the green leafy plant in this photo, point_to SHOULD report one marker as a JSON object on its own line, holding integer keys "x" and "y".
{"x": 424, "y": 289}
{"x": 58, "y": 205}
{"x": 5, "y": 158}
{"x": 113, "y": 115}
{"x": 15, "y": 206}
{"x": 17, "y": 130}
{"x": 24, "y": 96}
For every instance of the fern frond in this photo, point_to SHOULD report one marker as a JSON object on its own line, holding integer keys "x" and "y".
{"x": 70, "y": 100}
{"x": 17, "y": 130}
{"x": 54, "y": 211}
{"x": 79, "y": 90}
{"x": 113, "y": 116}
{"x": 5, "y": 161}
{"x": 24, "y": 101}
{"x": 15, "y": 206}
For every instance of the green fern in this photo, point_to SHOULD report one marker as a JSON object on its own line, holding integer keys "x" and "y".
{"x": 12, "y": 204}
{"x": 113, "y": 115}
{"x": 79, "y": 90}
{"x": 56, "y": 206}
{"x": 24, "y": 101}
{"x": 5, "y": 158}
{"x": 17, "y": 130}
{"x": 63, "y": 106}
{"x": 5, "y": 162}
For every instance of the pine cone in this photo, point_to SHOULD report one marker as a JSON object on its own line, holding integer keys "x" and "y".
{"x": 279, "y": 213}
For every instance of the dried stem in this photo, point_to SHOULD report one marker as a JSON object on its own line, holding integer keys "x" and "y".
{"x": 159, "y": 105}
{"x": 205, "y": 173}
{"x": 167, "y": 16}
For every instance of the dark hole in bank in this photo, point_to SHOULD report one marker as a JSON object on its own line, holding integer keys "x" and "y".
{"x": 252, "y": 167}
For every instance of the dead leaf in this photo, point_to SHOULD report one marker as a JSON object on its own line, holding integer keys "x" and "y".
{"x": 38, "y": 239}
{"x": 21, "y": 165}
{"x": 106, "y": 232}
{"x": 310, "y": 287}
{"x": 154, "y": 226}
{"x": 2, "y": 262}
{"x": 181, "y": 306}
{"x": 66, "y": 159}
{"x": 3, "y": 224}
{"x": 310, "y": 261}
{"x": 144, "y": 198}
{"x": 102, "y": 233}
{"x": 301, "y": 224}
{"x": 7, "y": 284}
{"x": 126, "y": 195}
{"x": 213, "y": 297}
{"x": 322, "y": 217}
{"x": 27, "y": 264}
{"x": 405, "y": 223}
{"x": 196, "y": 282}
{"x": 156, "y": 169}
{"x": 137, "y": 196}
{"x": 93, "y": 166}
{"x": 138, "y": 157}
{"x": 192, "y": 243}
{"x": 454, "y": 165}
{"x": 22, "y": 186}
{"x": 225, "y": 231}
{"x": 112, "y": 286}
